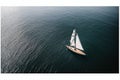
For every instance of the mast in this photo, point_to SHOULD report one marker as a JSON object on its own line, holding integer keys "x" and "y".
{"x": 75, "y": 40}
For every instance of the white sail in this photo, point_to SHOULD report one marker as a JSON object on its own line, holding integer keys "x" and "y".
{"x": 72, "y": 40}
{"x": 78, "y": 43}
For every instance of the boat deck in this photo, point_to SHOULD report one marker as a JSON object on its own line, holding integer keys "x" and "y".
{"x": 80, "y": 52}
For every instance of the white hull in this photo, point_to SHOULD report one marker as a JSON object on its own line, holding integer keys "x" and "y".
{"x": 78, "y": 51}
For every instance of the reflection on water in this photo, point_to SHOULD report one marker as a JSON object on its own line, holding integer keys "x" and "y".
{"x": 34, "y": 39}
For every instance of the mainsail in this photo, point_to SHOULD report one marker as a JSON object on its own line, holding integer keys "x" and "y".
{"x": 72, "y": 40}
{"x": 78, "y": 43}
{"x": 75, "y": 41}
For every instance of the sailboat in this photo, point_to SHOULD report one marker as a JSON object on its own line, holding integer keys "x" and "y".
{"x": 75, "y": 44}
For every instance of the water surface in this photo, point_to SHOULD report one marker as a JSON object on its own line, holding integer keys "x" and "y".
{"x": 34, "y": 39}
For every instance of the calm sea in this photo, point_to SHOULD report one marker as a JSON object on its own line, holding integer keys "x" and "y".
{"x": 34, "y": 39}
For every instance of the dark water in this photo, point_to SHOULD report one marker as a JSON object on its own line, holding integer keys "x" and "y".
{"x": 34, "y": 39}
